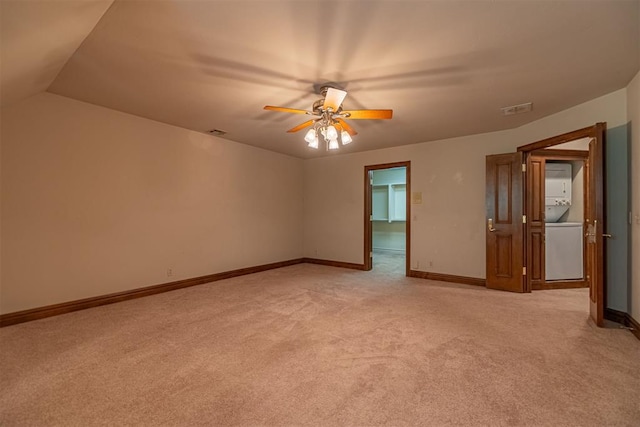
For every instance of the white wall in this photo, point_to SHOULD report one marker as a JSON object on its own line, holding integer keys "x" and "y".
{"x": 389, "y": 235}
{"x": 576, "y": 211}
{"x": 447, "y": 229}
{"x": 95, "y": 201}
{"x": 633, "y": 117}
{"x": 390, "y": 176}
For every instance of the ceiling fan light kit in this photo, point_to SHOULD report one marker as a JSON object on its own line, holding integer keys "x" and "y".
{"x": 329, "y": 121}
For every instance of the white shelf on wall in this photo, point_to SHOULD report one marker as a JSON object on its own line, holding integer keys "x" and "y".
{"x": 398, "y": 202}
{"x": 389, "y": 202}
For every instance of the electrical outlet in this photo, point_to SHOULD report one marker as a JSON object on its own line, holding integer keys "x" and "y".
{"x": 417, "y": 264}
{"x": 169, "y": 272}
{"x": 430, "y": 263}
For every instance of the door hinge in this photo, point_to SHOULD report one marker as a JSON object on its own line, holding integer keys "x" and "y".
{"x": 371, "y": 181}
{"x": 524, "y": 219}
{"x": 524, "y": 167}
{"x": 524, "y": 271}
{"x": 370, "y": 254}
{"x": 370, "y": 217}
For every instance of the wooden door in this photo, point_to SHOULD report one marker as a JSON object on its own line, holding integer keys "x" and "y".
{"x": 595, "y": 225}
{"x": 594, "y": 210}
{"x": 535, "y": 225}
{"x": 368, "y": 217}
{"x": 504, "y": 228}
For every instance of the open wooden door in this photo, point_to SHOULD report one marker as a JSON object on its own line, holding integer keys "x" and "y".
{"x": 504, "y": 227}
{"x": 535, "y": 226}
{"x": 368, "y": 217}
{"x": 595, "y": 225}
{"x": 594, "y": 211}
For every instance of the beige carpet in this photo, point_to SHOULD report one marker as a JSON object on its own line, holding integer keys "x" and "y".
{"x": 315, "y": 345}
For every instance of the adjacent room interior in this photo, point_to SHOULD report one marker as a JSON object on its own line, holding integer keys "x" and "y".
{"x": 278, "y": 213}
{"x": 389, "y": 219}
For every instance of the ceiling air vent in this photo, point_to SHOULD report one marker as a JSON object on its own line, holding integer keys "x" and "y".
{"x": 217, "y": 132}
{"x": 517, "y": 109}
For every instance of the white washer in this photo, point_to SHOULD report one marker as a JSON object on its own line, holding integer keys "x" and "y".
{"x": 563, "y": 251}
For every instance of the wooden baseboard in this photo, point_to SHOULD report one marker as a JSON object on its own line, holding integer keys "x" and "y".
{"x": 634, "y": 325}
{"x": 624, "y": 319}
{"x": 448, "y": 278}
{"x": 615, "y": 315}
{"x": 560, "y": 284}
{"x": 68, "y": 307}
{"x": 333, "y": 263}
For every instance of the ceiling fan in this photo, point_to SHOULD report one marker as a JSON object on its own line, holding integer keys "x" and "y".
{"x": 329, "y": 118}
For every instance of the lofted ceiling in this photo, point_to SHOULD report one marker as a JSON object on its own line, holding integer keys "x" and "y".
{"x": 444, "y": 67}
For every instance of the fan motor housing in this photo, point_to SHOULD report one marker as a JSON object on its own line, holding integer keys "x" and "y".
{"x": 317, "y": 106}
{"x": 318, "y": 109}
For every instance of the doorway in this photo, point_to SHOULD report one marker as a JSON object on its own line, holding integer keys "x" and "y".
{"x": 387, "y": 218}
{"x": 556, "y": 186}
{"x": 515, "y": 240}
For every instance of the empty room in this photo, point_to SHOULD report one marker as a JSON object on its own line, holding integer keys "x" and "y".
{"x": 289, "y": 213}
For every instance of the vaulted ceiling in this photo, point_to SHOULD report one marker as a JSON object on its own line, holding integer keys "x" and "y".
{"x": 444, "y": 67}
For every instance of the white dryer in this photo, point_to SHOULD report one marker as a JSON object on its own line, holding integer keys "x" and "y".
{"x": 564, "y": 251}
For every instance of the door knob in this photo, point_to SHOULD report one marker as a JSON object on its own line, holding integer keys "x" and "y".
{"x": 608, "y": 236}
{"x": 490, "y": 225}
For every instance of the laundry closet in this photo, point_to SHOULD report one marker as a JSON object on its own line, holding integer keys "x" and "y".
{"x": 556, "y": 187}
{"x": 564, "y": 217}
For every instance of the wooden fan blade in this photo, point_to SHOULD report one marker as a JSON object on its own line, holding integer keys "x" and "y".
{"x": 301, "y": 126}
{"x": 285, "y": 109}
{"x": 334, "y": 98}
{"x": 346, "y": 127}
{"x": 369, "y": 114}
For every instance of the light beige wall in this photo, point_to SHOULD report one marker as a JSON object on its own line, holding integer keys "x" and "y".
{"x": 610, "y": 108}
{"x": 448, "y": 228}
{"x": 95, "y": 201}
{"x": 443, "y": 230}
{"x": 633, "y": 111}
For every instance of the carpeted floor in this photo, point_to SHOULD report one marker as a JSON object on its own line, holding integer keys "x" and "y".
{"x": 315, "y": 345}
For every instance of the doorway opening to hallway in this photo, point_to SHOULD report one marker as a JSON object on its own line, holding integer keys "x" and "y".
{"x": 387, "y": 218}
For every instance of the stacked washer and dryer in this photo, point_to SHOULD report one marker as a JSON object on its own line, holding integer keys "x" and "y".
{"x": 563, "y": 244}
